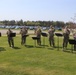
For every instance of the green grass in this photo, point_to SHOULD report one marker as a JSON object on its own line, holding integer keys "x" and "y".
{"x": 39, "y": 60}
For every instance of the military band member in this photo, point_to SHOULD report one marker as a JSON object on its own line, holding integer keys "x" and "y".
{"x": 38, "y": 34}
{"x": 23, "y": 33}
{"x": 51, "y": 36}
{"x": 66, "y": 33}
{"x": 10, "y": 39}
{"x": 74, "y": 36}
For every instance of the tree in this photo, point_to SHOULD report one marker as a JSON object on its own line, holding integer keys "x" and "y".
{"x": 12, "y": 22}
{"x": 5, "y": 22}
{"x": 20, "y": 23}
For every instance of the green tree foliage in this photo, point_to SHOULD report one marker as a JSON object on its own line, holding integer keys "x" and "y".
{"x": 34, "y": 23}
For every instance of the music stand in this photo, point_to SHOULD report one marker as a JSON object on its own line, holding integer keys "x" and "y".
{"x": 72, "y": 42}
{"x": 12, "y": 34}
{"x": 44, "y": 35}
{"x": 0, "y": 34}
{"x": 26, "y": 35}
{"x": 35, "y": 39}
{"x": 58, "y": 35}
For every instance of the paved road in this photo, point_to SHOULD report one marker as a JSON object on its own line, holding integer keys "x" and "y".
{"x": 3, "y": 31}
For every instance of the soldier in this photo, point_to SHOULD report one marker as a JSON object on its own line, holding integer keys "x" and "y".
{"x": 23, "y": 33}
{"x": 10, "y": 39}
{"x": 38, "y": 34}
{"x": 51, "y": 36}
{"x": 66, "y": 33}
{"x": 74, "y": 36}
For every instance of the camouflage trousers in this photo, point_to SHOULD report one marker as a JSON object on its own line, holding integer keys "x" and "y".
{"x": 11, "y": 41}
{"x": 65, "y": 41}
{"x": 23, "y": 40}
{"x": 51, "y": 41}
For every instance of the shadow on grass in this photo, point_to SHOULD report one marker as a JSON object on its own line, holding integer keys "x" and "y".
{"x": 51, "y": 48}
{"x": 29, "y": 46}
{"x": 2, "y": 49}
{"x": 41, "y": 46}
{"x": 32, "y": 46}
{"x": 58, "y": 47}
{"x": 45, "y": 45}
{"x": 74, "y": 52}
{"x": 69, "y": 50}
{"x": 38, "y": 46}
{"x": 16, "y": 48}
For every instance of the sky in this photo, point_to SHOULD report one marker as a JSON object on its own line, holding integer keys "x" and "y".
{"x": 38, "y": 10}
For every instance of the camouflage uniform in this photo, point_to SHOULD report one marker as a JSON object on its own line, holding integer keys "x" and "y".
{"x": 38, "y": 34}
{"x": 74, "y": 36}
{"x": 23, "y": 33}
{"x": 66, "y": 34}
{"x": 10, "y": 39}
{"x": 51, "y": 36}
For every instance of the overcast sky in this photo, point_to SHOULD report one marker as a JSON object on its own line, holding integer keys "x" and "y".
{"x": 35, "y": 10}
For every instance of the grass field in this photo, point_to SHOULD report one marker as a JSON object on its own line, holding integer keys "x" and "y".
{"x": 39, "y": 60}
